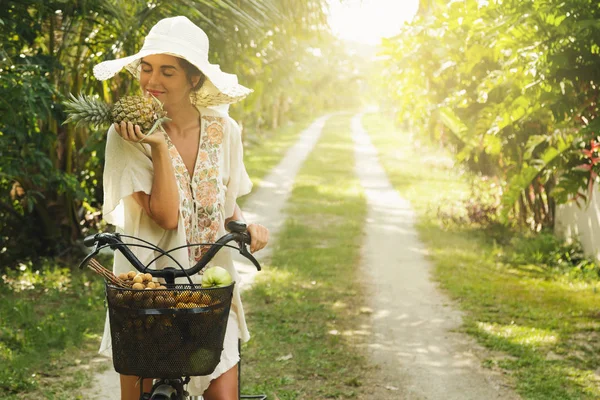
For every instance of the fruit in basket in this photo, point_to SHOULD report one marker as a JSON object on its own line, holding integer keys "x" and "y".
{"x": 201, "y": 359}
{"x": 149, "y": 322}
{"x": 138, "y": 296}
{"x": 170, "y": 301}
{"x": 119, "y": 299}
{"x": 167, "y": 320}
{"x": 187, "y": 305}
{"x": 147, "y": 112}
{"x": 148, "y": 302}
{"x": 216, "y": 277}
{"x": 160, "y": 301}
{"x": 147, "y": 281}
{"x": 206, "y": 299}
{"x": 202, "y": 301}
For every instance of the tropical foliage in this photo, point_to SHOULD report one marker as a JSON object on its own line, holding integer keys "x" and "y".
{"x": 51, "y": 174}
{"x": 511, "y": 87}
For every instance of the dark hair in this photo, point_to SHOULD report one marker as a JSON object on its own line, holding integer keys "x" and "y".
{"x": 191, "y": 72}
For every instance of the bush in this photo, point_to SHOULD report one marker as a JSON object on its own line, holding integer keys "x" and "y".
{"x": 481, "y": 208}
{"x": 546, "y": 250}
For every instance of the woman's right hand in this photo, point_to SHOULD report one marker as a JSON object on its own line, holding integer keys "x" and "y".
{"x": 133, "y": 133}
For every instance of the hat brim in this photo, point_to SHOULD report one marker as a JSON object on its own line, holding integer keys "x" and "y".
{"x": 219, "y": 87}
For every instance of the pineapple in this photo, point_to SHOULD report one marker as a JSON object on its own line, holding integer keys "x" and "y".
{"x": 147, "y": 112}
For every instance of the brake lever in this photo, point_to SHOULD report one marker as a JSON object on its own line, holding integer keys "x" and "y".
{"x": 244, "y": 251}
{"x": 87, "y": 258}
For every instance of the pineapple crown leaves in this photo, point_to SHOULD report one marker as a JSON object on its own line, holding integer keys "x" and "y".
{"x": 87, "y": 109}
{"x": 159, "y": 119}
{"x": 157, "y": 101}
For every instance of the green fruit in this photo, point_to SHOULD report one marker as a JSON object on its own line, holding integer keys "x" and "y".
{"x": 216, "y": 277}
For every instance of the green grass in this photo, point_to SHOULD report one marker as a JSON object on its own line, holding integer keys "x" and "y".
{"x": 265, "y": 152}
{"x": 49, "y": 326}
{"x": 304, "y": 309}
{"x": 541, "y": 326}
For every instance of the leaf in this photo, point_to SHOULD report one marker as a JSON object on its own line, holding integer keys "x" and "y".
{"x": 583, "y": 167}
{"x": 532, "y": 142}
{"x": 454, "y": 123}
{"x": 492, "y": 144}
{"x": 522, "y": 180}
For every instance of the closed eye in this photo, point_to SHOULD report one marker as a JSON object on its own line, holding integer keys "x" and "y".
{"x": 148, "y": 71}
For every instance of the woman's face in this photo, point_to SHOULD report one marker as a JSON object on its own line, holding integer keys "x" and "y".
{"x": 163, "y": 77}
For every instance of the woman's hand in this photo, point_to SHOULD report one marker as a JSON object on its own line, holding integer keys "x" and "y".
{"x": 133, "y": 133}
{"x": 259, "y": 235}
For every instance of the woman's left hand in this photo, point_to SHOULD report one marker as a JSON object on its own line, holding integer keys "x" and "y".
{"x": 259, "y": 235}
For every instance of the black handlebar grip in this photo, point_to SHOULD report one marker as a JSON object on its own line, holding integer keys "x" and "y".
{"x": 236, "y": 226}
{"x": 89, "y": 241}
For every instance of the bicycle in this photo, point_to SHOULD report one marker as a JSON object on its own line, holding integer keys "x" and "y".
{"x": 189, "y": 334}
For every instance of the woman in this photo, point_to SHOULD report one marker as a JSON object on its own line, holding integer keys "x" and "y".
{"x": 180, "y": 184}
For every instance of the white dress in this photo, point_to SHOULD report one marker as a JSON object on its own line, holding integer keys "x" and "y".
{"x": 128, "y": 169}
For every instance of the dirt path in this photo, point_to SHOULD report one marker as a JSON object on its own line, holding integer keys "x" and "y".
{"x": 265, "y": 206}
{"x": 413, "y": 324}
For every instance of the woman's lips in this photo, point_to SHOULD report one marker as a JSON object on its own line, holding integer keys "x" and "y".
{"x": 154, "y": 93}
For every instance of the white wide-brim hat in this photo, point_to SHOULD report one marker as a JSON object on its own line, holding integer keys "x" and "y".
{"x": 180, "y": 37}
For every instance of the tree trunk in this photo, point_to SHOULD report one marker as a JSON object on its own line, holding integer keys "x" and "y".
{"x": 550, "y": 216}
{"x": 523, "y": 212}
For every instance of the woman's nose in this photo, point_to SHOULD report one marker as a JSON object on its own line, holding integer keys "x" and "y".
{"x": 153, "y": 78}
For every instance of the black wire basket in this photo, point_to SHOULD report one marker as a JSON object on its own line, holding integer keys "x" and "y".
{"x": 168, "y": 333}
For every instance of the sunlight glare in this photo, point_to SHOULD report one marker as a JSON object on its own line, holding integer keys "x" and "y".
{"x": 368, "y": 21}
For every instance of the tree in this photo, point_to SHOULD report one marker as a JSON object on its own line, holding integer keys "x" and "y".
{"x": 510, "y": 87}
{"x": 50, "y": 173}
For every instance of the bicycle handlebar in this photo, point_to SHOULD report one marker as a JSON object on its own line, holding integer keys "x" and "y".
{"x": 238, "y": 233}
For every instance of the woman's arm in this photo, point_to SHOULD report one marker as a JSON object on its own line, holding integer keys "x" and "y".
{"x": 258, "y": 233}
{"x": 162, "y": 204}
{"x": 236, "y": 216}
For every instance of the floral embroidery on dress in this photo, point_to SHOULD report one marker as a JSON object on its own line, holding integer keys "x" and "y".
{"x": 215, "y": 133}
{"x": 201, "y": 195}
